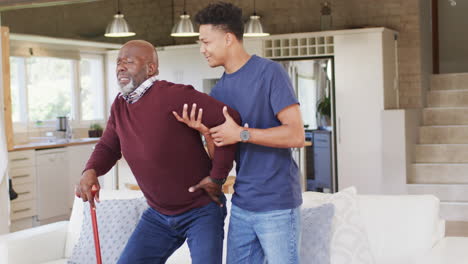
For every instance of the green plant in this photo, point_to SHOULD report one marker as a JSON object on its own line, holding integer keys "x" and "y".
{"x": 95, "y": 126}
{"x": 324, "y": 107}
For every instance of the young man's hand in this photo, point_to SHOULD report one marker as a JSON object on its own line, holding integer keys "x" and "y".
{"x": 227, "y": 133}
{"x": 211, "y": 188}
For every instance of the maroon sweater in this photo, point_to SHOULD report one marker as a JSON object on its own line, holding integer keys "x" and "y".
{"x": 166, "y": 156}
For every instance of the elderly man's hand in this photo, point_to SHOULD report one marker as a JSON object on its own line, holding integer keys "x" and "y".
{"x": 89, "y": 187}
{"x": 211, "y": 188}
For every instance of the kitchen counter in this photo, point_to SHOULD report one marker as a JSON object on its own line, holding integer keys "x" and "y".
{"x": 55, "y": 144}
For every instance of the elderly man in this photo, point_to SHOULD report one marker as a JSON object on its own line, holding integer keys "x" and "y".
{"x": 166, "y": 158}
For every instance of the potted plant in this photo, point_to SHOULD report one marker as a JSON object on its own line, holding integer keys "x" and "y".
{"x": 324, "y": 112}
{"x": 95, "y": 130}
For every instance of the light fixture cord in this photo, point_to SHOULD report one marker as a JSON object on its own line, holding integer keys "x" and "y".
{"x": 118, "y": 6}
{"x": 185, "y": 12}
{"x": 255, "y": 12}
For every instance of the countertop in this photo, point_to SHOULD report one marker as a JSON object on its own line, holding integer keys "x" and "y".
{"x": 71, "y": 142}
{"x": 55, "y": 144}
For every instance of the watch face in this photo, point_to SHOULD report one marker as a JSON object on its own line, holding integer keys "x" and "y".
{"x": 245, "y": 135}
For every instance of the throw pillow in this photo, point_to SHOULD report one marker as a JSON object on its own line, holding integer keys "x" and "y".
{"x": 116, "y": 221}
{"x": 316, "y": 234}
{"x": 349, "y": 242}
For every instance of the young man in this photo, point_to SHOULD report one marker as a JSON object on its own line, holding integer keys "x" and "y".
{"x": 166, "y": 158}
{"x": 265, "y": 215}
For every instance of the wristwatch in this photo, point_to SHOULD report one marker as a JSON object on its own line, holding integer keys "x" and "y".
{"x": 245, "y": 135}
{"x": 220, "y": 182}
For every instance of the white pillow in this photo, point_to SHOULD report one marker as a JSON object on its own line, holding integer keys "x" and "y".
{"x": 349, "y": 243}
{"x": 76, "y": 219}
{"x": 116, "y": 221}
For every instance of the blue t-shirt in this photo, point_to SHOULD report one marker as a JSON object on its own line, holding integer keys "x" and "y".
{"x": 267, "y": 178}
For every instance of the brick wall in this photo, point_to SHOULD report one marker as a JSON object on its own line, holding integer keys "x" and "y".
{"x": 152, "y": 20}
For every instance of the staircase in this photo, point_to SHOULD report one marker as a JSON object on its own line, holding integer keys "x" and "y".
{"x": 441, "y": 157}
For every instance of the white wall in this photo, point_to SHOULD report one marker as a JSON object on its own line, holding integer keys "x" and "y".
{"x": 400, "y": 133}
{"x": 453, "y": 36}
{"x": 185, "y": 64}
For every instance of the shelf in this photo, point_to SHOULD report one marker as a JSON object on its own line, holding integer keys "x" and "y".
{"x": 290, "y": 47}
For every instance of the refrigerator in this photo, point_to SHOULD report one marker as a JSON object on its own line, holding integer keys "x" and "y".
{"x": 313, "y": 83}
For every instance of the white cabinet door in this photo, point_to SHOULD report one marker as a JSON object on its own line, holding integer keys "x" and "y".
{"x": 52, "y": 183}
{"x": 362, "y": 92}
{"x": 77, "y": 158}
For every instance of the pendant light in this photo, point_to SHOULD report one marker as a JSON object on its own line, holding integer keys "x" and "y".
{"x": 118, "y": 27}
{"x": 253, "y": 27}
{"x": 184, "y": 28}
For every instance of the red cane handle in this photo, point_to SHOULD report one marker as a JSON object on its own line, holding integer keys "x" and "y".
{"x": 95, "y": 231}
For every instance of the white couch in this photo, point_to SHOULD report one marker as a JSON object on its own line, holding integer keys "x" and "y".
{"x": 402, "y": 229}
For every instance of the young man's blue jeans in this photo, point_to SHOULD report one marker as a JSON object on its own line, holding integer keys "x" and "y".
{"x": 256, "y": 237}
{"x": 157, "y": 236}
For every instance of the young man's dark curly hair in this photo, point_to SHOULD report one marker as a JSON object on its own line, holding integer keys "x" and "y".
{"x": 224, "y": 16}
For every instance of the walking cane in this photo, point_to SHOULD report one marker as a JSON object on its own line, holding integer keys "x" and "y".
{"x": 95, "y": 228}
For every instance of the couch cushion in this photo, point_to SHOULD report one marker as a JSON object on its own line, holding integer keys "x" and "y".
{"x": 448, "y": 250}
{"x": 349, "y": 244}
{"x": 76, "y": 219}
{"x": 400, "y": 227}
{"x": 316, "y": 233}
{"x": 116, "y": 221}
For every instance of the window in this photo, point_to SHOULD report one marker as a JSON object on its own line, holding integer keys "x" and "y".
{"x": 43, "y": 88}
{"x": 91, "y": 92}
{"x": 49, "y": 86}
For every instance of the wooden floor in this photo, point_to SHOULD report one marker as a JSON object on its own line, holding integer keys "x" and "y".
{"x": 456, "y": 229}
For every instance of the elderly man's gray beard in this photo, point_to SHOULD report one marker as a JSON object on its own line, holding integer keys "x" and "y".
{"x": 128, "y": 88}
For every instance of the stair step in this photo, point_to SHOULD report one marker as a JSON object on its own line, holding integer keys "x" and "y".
{"x": 441, "y": 153}
{"x": 443, "y": 134}
{"x": 445, "y": 192}
{"x": 448, "y": 98}
{"x": 454, "y": 211}
{"x": 445, "y": 116}
{"x": 456, "y": 228}
{"x": 438, "y": 173}
{"x": 449, "y": 81}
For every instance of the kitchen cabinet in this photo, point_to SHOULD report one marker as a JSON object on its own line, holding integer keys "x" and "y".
{"x": 52, "y": 184}
{"x": 22, "y": 171}
{"x": 77, "y": 158}
{"x": 44, "y": 180}
{"x": 366, "y": 85}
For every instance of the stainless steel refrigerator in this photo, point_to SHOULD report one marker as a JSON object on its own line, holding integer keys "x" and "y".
{"x": 313, "y": 82}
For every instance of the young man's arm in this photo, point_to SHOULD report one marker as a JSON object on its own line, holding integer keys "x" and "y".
{"x": 289, "y": 135}
{"x": 285, "y": 108}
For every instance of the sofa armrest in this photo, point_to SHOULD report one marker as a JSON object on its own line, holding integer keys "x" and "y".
{"x": 451, "y": 250}
{"x": 439, "y": 233}
{"x": 35, "y": 245}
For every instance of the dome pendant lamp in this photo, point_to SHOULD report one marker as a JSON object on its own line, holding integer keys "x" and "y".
{"x": 118, "y": 27}
{"x": 253, "y": 27}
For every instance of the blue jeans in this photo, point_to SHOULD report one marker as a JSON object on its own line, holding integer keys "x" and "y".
{"x": 259, "y": 237}
{"x": 157, "y": 236}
